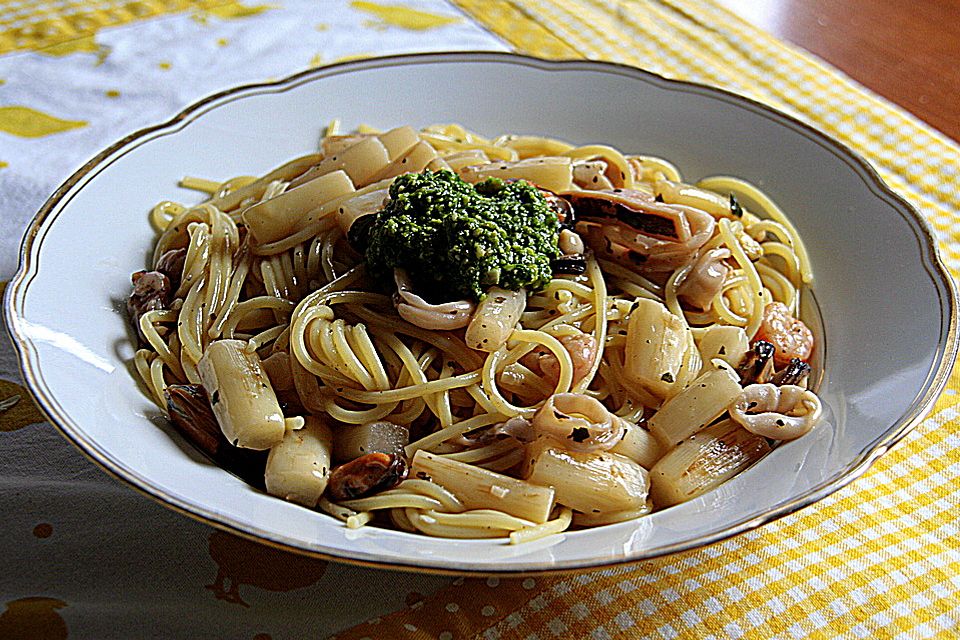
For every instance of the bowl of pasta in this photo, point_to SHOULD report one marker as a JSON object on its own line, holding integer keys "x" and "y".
{"x": 512, "y": 328}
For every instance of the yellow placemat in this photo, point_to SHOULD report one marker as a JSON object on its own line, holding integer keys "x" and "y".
{"x": 878, "y": 559}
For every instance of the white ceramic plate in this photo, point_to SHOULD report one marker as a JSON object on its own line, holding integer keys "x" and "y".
{"x": 887, "y": 304}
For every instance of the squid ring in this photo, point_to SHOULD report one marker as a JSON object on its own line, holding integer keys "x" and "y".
{"x": 780, "y": 412}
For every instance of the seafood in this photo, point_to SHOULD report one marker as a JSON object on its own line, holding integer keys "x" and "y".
{"x": 790, "y": 336}
{"x": 366, "y": 475}
{"x": 633, "y": 228}
{"x": 416, "y": 310}
{"x": 151, "y": 292}
{"x": 705, "y": 279}
{"x": 578, "y": 423}
{"x": 778, "y": 412}
{"x": 582, "y": 348}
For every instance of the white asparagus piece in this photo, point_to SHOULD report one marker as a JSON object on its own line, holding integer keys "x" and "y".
{"x": 639, "y": 445}
{"x": 530, "y": 146}
{"x": 495, "y": 318}
{"x": 686, "y": 413}
{"x": 353, "y": 441}
{"x": 241, "y": 395}
{"x": 588, "y": 482}
{"x": 726, "y": 342}
{"x": 439, "y": 164}
{"x": 360, "y": 161}
{"x": 332, "y": 145}
{"x": 552, "y": 172}
{"x": 463, "y": 159}
{"x": 704, "y": 461}
{"x": 418, "y": 157}
{"x": 399, "y": 141}
{"x": 279, "y": 216}
{"x": 656, "y": 355}
{"x": 478, "y": 488}
{"x": 591, "y": 174}
{"x": 361, "y": 205}
{"x": 298, "y": 468}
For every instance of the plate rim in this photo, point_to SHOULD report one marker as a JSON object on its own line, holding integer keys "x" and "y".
{"x": 914, "y": 413}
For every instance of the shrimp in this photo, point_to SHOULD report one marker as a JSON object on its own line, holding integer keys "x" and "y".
{"x": 790, "y": 336}
{"x": 582, "y": 348}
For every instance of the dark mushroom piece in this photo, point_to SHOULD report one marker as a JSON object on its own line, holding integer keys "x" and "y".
{"x": 366, "y": 475}
{"x": 189, "y": 409}
{"x": 757, "y": 365}
{"x": 794, "y": 373}
{"x": 171, "y": 264}
{"x": 151, "y": 292}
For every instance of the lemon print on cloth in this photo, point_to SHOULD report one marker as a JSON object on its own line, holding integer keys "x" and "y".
{"x": 33, "y": 619}
{"x": 231, "y": 11}
{"x": 234, "y": 10}
{"x": 30, "y": 123}
{"x": 86, "y": 44}
{"x": 241, "y": 562}
{"x": 398, "y": 15}
{"x": 16, "y": 408}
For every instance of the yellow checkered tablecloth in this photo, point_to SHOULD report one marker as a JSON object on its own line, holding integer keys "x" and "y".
{"x": 878, "y": 559}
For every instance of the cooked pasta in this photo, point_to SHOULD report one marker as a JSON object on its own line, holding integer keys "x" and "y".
{"x": 573, "y": 383}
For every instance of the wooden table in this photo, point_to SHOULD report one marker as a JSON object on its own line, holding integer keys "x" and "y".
{"x": 908, "y": 52}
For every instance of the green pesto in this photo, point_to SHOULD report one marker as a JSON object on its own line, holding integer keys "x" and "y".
{"x": 456, "y": 240}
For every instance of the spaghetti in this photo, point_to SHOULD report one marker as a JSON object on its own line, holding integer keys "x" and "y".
{"x": 598, "y": 398}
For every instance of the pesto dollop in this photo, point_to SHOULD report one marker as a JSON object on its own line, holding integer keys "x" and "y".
{"x": 456, "y": 239}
